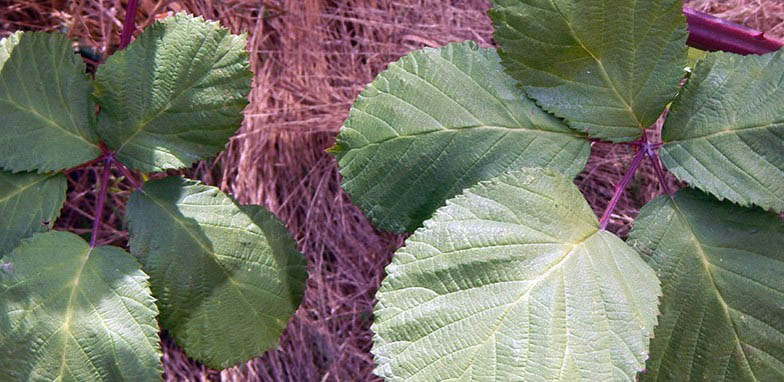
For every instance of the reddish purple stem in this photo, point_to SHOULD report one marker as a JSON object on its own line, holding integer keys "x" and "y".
{"x": 129, "y": 24}
{"x": 126, "y": 173}
{"x": 620, "y": 187}
{"x": 712, "y": 33}
{"x": 654, "y": 157}
{"x": 107, "y": 164}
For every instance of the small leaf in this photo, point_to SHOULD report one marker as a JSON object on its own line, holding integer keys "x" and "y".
{"x": 725, "y": 132}
{"x": 514, "y": 281}
{"x": 71, "y": 313}
{"x": 175, "y": 95}
{"x": 45, "y": 108}
{"x": 722, "y": 273}
{"x": 438, "y": 121}
{"x": 227, "y": 277}
{"x": 609, "y": 67}
{"x": 29, "y": 203}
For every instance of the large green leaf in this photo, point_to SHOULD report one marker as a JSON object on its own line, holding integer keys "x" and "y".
{"x": 71, "y": 313}
{"x": 29, "y": 203}
{"x": 227, "y": 277}
{"x": 514, "y": 281}
{"x": 175, "y": 95}
{"x": 725, "y": 132}
{"x": 608, "y": 67}
{"x": 45, "y": 108}
{"x": 438, "y": 121}
{"x": 722, "y": 273}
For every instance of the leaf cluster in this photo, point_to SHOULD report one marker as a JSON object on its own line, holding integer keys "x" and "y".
{"x": 222, "y": 278}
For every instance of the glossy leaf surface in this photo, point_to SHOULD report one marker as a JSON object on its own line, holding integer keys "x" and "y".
{"x": 722, "y": 273}
{"x": 513, "y": 281}
{"x": 29, "y": 203}
{"x": 608, "y": 67}
{"x": 227, "y": 277}
{"x": 174, "y": 95}
{"x": 725, "y": 132}
{"x": 438, "y": 121}
{"x": 69, "y": 313}
{"x": 45, "y": 108}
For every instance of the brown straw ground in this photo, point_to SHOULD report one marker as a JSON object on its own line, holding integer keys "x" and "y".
{"x": 311, "y": 58}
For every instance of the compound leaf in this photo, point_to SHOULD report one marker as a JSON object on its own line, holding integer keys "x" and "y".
{"x": 29, "y": 203}
{"x": 71, "y": 313}
{"x": 46, "y": 118}
{"x": 175, "y": 95}
{"x": 609, "y": 67}
{"x": 725, "y": 132}
{"x": 227, "y": 277}
{"x": 514, "y": 281}
{"x": 722, "y": 272}
{"x": 438, "y": 121}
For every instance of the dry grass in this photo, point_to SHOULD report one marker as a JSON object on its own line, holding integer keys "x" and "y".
{"x": 311, "y": 58}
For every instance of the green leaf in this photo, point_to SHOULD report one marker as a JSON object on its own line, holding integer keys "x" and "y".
{"x": 695, "y": 56}
{"x": 514, "y": 281}
{"x": 227, "y": 277}
{"x": 722, "y": 273}
{"x": 29, "y": 203}
{"x": 725, "y": 132}
{"x": 438, "y": 121}
{"x": 45, "y": 109}
{"x": 608, "y": 67}
{"x": 71, "y": 313}
{"x": 175, "y": 95}
{"x": 7, "y": 46}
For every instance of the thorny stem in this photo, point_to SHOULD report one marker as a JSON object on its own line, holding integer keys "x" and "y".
{"x": 107, "y": 156}
{"x": 107, "y": 164}
{"x": 620, "y": 187}
{"x": 711, "y": 33}
{"x": 129, "y": 24}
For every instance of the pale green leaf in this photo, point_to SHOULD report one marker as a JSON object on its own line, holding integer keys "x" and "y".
{"x": 71, "y": 313}
{"x": 175, "y": 95}
{"x": 725, "y": 132}
{"x": 7, "y": 46}
{"x": 722, "y": 272}
{"x": 45, "y": 108}
{"x": 438, "y": 121}
{"x": 29, "y": 203}
{"x": 227, "y": 277}
{"x": 514, "y": 281}
{"x": 609, "y": 67}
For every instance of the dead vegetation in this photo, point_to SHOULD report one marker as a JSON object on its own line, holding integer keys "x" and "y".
{"x": 311, "y": 58}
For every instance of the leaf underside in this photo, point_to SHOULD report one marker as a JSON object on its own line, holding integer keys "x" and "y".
{"x": 438, "y": 121}
{"x": 513, "y": 281}
{"x": 68, "y": 313}
{"x": 722, "y": 273}
{"x": 725, "y": 132}
{"x": 227, "y": 277}
{"x": 29, "y": 203}
{"x": 608, "y": 67}
{"x": 45, "y": 108}
{"x": 175, "y": 95}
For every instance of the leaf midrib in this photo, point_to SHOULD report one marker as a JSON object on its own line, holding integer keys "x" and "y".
{"x": 69, "y": 311}
{"x": 457, "y": 130}
{"x": 47, "y": 120}
{"x": 209, "y": 252}
{"x": 511, "y": 305}
{"x": 24, "y": 188}
{"x": 706, "y": 267}
{"x": 603, "y": 71}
